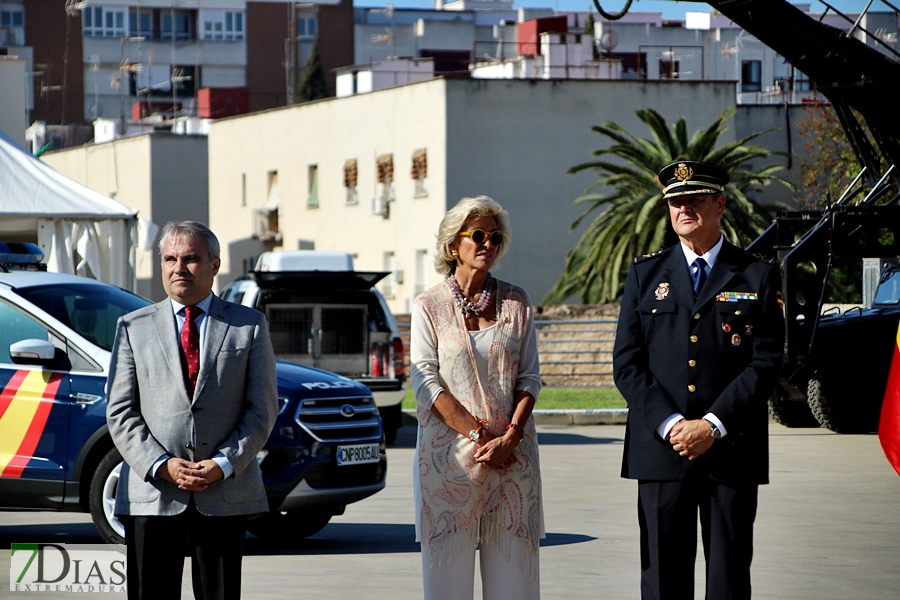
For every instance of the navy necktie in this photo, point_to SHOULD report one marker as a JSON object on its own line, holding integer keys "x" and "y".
{"x": 698, "y": 275}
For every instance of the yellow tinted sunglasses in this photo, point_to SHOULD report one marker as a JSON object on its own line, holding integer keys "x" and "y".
{"x": 480, "y": 235}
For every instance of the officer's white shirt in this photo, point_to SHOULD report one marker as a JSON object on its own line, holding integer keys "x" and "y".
{"x": 690, "y": 256}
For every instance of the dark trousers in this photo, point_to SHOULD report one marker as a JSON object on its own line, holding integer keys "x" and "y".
{"x": 157, "y": 547}
{"x": 667, "y": 512}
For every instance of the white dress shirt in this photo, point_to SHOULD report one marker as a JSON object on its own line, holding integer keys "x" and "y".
{"x": 200, "y": 321}
{"x": 690, "y": 256}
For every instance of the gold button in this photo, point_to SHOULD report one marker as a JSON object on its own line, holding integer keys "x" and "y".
{"x": 692, "y": 388}
{"x": 694, "y": 338}
{"x": 692, "y": 363}
{"x": 696, "y": 316}
{"x": 653, "y": 311}
{"x": 737, "y": 312}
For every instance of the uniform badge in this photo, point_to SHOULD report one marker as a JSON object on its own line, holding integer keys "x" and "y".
{"x": 726, "y": 327}
{"x": 662, "y": 290}
{"x": 735, "y": 341}
{"x": 748, "y": 330}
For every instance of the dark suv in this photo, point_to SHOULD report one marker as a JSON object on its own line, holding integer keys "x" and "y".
{"x": 56, "y": 332}
{"x": 324, "y": 314}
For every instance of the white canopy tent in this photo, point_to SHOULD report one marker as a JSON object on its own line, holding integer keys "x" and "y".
{"x": 80, "y": 231}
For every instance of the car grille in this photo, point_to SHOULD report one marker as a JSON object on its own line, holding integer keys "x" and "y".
{"x": 343, "y": 419}
{"x": 329, "y": 475}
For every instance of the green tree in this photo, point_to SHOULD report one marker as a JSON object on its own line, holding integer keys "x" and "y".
{"x": 312, "y": 85}
{"x": 829, "y": 164}
{"x": 634, "y": 220}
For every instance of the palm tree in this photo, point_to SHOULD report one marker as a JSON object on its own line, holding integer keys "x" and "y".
{"x": 636, "y": 220}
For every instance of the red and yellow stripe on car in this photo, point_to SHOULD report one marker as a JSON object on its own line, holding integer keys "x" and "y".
{"x": 25, "y": 404}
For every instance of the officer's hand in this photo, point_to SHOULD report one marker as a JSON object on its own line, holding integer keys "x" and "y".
{"x": 691, "y": 439}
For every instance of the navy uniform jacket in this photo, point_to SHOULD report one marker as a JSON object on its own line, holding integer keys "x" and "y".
{"x": 677, "y": 355}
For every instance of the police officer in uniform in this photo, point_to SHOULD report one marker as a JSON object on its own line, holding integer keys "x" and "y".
{"x": 698, "y": 348}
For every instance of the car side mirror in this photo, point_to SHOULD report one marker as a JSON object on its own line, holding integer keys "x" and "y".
{"x": 34, "y": 352}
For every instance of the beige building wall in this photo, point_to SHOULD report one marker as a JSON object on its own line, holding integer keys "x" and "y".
{"x": 511, "y": 140}
{"x": 515, "y": 141}
{"x": 247, "y": 152}
{"x": 13, "y": 98}
{"x": 162, "y": 176}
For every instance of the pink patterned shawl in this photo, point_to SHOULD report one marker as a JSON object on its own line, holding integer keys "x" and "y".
{"x": 459, "y": 496}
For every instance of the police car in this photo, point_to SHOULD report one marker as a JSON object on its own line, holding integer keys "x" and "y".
{"x": 56, "y": 333}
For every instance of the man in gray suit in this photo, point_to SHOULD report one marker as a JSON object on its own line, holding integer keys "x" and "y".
{"x": 192, "y": 398}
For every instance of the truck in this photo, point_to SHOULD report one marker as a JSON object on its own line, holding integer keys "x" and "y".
{"x": 326, "y": 450}
{"x": 836, "y": 364}
{"x": 322, "y": 313}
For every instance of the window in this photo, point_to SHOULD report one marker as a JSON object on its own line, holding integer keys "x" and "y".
{"x": 266, "y": 218}
{"x": 223, "y": 25}
{"x": 350, "y": 178}
{"x": 176, "y": 24}
{"x": 668, "y": 68}
{"x": 91, "y": 310}
{"x": 101, "y": 21}
{"x": 419, "y": 172}
{"x": 307, "y": 28}
{"x": 12, "y": 27}
{"x": 140, "y": 22}
{"x": 312, "y": 198}
{"x": 157, "y": 80}
{"x": 751, "y": 76}
{"x": 12, "y": 18}
{"x": 384, "y": 166}
{"x": 634, "y": 65}
{"x": 17, "y": 326}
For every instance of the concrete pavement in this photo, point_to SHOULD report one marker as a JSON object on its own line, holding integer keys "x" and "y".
{"x": 828, "y": 527}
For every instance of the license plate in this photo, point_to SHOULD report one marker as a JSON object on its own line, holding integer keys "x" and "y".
{"x": 358, "y": 455}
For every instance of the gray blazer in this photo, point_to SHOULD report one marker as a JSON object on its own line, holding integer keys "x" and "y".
{"x": 233, "y": 410}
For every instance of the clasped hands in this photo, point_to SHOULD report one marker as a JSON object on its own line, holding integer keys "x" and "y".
{"x": 191, "y": 476}
{"x": 494, "y": 451}
{"x": 691, "y": 438}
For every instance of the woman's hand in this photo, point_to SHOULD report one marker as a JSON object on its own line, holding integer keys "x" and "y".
{"x": 496, "y": 452}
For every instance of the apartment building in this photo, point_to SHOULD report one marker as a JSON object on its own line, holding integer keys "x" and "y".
{"x": 373, "y": 174}
{"x": 97, "y": 58}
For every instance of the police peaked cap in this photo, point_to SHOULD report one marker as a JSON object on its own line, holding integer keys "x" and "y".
{"x": 692, "y": 177}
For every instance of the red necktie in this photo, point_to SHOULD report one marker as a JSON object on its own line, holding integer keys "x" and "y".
{"x": 190, "y": 344}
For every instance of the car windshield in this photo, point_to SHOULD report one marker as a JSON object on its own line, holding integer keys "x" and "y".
{"x": 90, "y": 309}
{"x": 889, "y": 288}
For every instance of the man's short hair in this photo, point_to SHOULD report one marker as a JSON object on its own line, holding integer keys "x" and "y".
{"x": 190, "y": 230}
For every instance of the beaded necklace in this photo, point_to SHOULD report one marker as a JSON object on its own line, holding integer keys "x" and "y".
{"x": 467, "y": 306}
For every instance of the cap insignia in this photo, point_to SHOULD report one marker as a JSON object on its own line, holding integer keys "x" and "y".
{"x": 683, "y": 172}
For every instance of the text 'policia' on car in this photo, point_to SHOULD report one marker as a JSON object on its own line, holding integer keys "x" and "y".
{"x": 327, "y": 449}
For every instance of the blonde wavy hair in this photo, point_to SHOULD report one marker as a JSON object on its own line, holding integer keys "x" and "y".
{"x": 454, "y": 221}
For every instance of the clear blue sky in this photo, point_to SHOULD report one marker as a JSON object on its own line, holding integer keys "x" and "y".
{"x": 670, "y": 9}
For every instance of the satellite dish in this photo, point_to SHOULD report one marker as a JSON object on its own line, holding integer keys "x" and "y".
{"x": 97, "y": 110}
{"x": 609, "y": 40}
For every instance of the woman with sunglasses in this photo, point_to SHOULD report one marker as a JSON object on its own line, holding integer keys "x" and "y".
{"x": 476, "y": 376}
